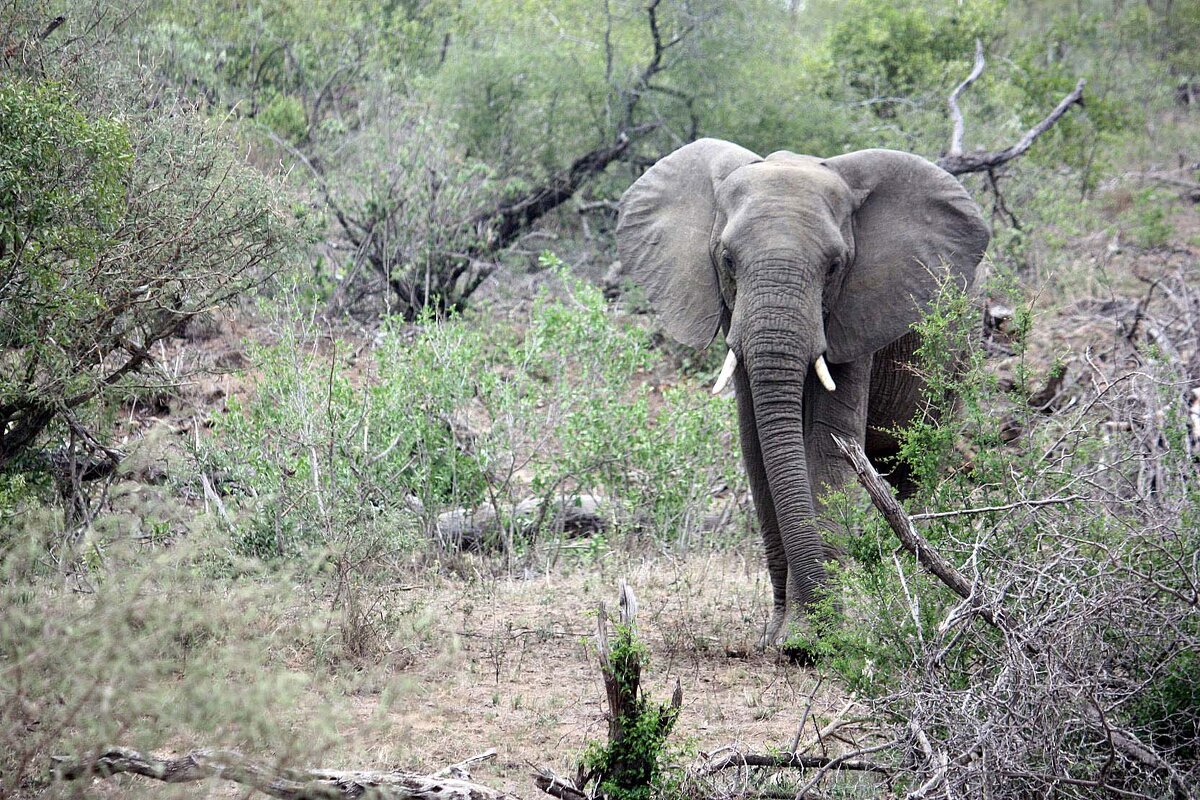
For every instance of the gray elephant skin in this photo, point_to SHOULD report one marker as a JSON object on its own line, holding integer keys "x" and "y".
{"x": 815, "y": 270}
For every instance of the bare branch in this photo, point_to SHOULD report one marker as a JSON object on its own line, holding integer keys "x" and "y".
{"x": 791, "y": 760}
{"x": 957, "y": 163}
{"x": 910, "y": 538}
{"x": 956, "y": 137}
{"x": 287, "y": 784}
{"x": 840, "y": 762}
{"x": 503, "y": 224}
{"x": 1049, "y": 501}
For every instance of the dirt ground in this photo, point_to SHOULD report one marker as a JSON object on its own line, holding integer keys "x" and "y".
{"x": 511, "y": 664}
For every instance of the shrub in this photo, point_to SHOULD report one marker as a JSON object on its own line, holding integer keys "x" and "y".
{"x": 153, "y": 653}
{"x": 460, "y": 414}
{"x": 1085, "y": 557}
{"x": 124, "y": 226}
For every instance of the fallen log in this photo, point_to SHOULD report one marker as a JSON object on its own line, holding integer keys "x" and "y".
{"x": 283, "y": 783}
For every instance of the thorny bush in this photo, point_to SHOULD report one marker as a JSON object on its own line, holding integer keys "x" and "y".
{"x": 1081, "y": 527}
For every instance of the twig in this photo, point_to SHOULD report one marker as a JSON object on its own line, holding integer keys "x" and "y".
{"x": 1048, "y": 501}
{"x": 607, "y": 206}
{"x": 807, "y": 708}
{"x": 461, "y": 771}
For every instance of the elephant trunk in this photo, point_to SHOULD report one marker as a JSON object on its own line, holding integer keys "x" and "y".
{"x": 778, "y": 351}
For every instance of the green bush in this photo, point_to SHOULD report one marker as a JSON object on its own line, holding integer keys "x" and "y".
{"x": 900, "y": 50}
{"x": 123, "y": 226}
{"x": 461, "y": 413}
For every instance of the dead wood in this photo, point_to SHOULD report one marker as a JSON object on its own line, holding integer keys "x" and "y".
{"x": 501, "y": 225}
{"x": 287, "y": 784}
{"x": 629, "y": 762}
{"x": 556, "y": 785}
{"x": 622, "y": 673}
{"x": 956, "y": 136}
{"x": 789, "y": 760}
{"x": 1180, "y": 178}
{"x": 956, "y": 162}
{"x": 474, "y": 530}
{"x": 899, "y": 521}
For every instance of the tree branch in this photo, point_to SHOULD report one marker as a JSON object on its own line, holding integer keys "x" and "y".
{"x": 955, "y": 113}
{"x": 790, "y": 760}
{"x": 286, "y": 784}
{"x": 911, "y": 539}
{"x": 500, "y": 226}
{"x": 957, "y": 163}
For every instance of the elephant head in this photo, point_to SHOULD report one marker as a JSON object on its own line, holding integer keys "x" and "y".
{"x": 804, "y": 263}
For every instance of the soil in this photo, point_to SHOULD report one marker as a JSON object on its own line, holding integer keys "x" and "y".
{"x": 511, "y": 664}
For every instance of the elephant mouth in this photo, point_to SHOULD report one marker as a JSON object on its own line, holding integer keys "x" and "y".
{"x": 726, "y": 374}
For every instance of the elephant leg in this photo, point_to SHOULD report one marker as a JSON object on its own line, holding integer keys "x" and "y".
{"x": 842, "y": 412}
{"x": 764, "y": 506}
{"x": 896, "y": 399}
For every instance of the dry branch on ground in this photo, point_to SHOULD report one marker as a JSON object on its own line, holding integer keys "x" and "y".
{"x": 286, "y": 784}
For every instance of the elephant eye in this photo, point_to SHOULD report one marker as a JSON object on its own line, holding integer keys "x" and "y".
{"x": 727, "y": 260}
{"x": 835, "y": 265}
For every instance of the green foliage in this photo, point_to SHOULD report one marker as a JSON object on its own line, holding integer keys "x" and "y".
{"x": 124, "y": 224}
{"x": 62, "y": 183}
{"x": 631, "y": 768}
{"x": 897, "y": 50}
{"x": 1151, "y": 224}
{"x": 292, "y": 66}
{"x": 285, "y": 115}
{"x": 458, "y": 413}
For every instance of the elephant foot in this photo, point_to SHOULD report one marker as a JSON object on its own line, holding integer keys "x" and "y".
{"x": 793, "y": 635}
{"x": 776, "y": 631}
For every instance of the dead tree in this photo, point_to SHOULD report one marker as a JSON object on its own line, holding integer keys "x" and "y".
{"x": 454, "y": 268}
{"x": 956, "y": 162}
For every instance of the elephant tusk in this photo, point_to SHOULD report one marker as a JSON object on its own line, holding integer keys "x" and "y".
{"x": 726, "y": 373}
{"x": 823, "y": 374}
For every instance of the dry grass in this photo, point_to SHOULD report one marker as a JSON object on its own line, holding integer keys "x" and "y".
{"x": 510, "y": 664}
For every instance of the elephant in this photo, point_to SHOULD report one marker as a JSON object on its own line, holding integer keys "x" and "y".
{"x": 815, "y": 271}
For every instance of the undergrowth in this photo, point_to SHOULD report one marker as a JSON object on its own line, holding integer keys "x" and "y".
{"x": 463, "y": 414}
{"x": 1054, "y": 520}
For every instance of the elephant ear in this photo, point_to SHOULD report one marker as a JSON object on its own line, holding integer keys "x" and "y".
{"x": 915, "y": 226}
{"x": 665, "y": 234}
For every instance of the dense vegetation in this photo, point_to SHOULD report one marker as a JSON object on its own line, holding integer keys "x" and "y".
{"x": 299, "y": 297}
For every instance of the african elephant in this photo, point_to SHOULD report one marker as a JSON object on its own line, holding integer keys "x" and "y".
{"x": 815, "y": 270}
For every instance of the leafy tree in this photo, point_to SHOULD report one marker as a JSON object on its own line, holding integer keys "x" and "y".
{"x": 122, "y": 223}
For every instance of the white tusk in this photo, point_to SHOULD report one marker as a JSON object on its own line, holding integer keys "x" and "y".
{"x": 726, "y": 373}
{"x": 823, "y": 374}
